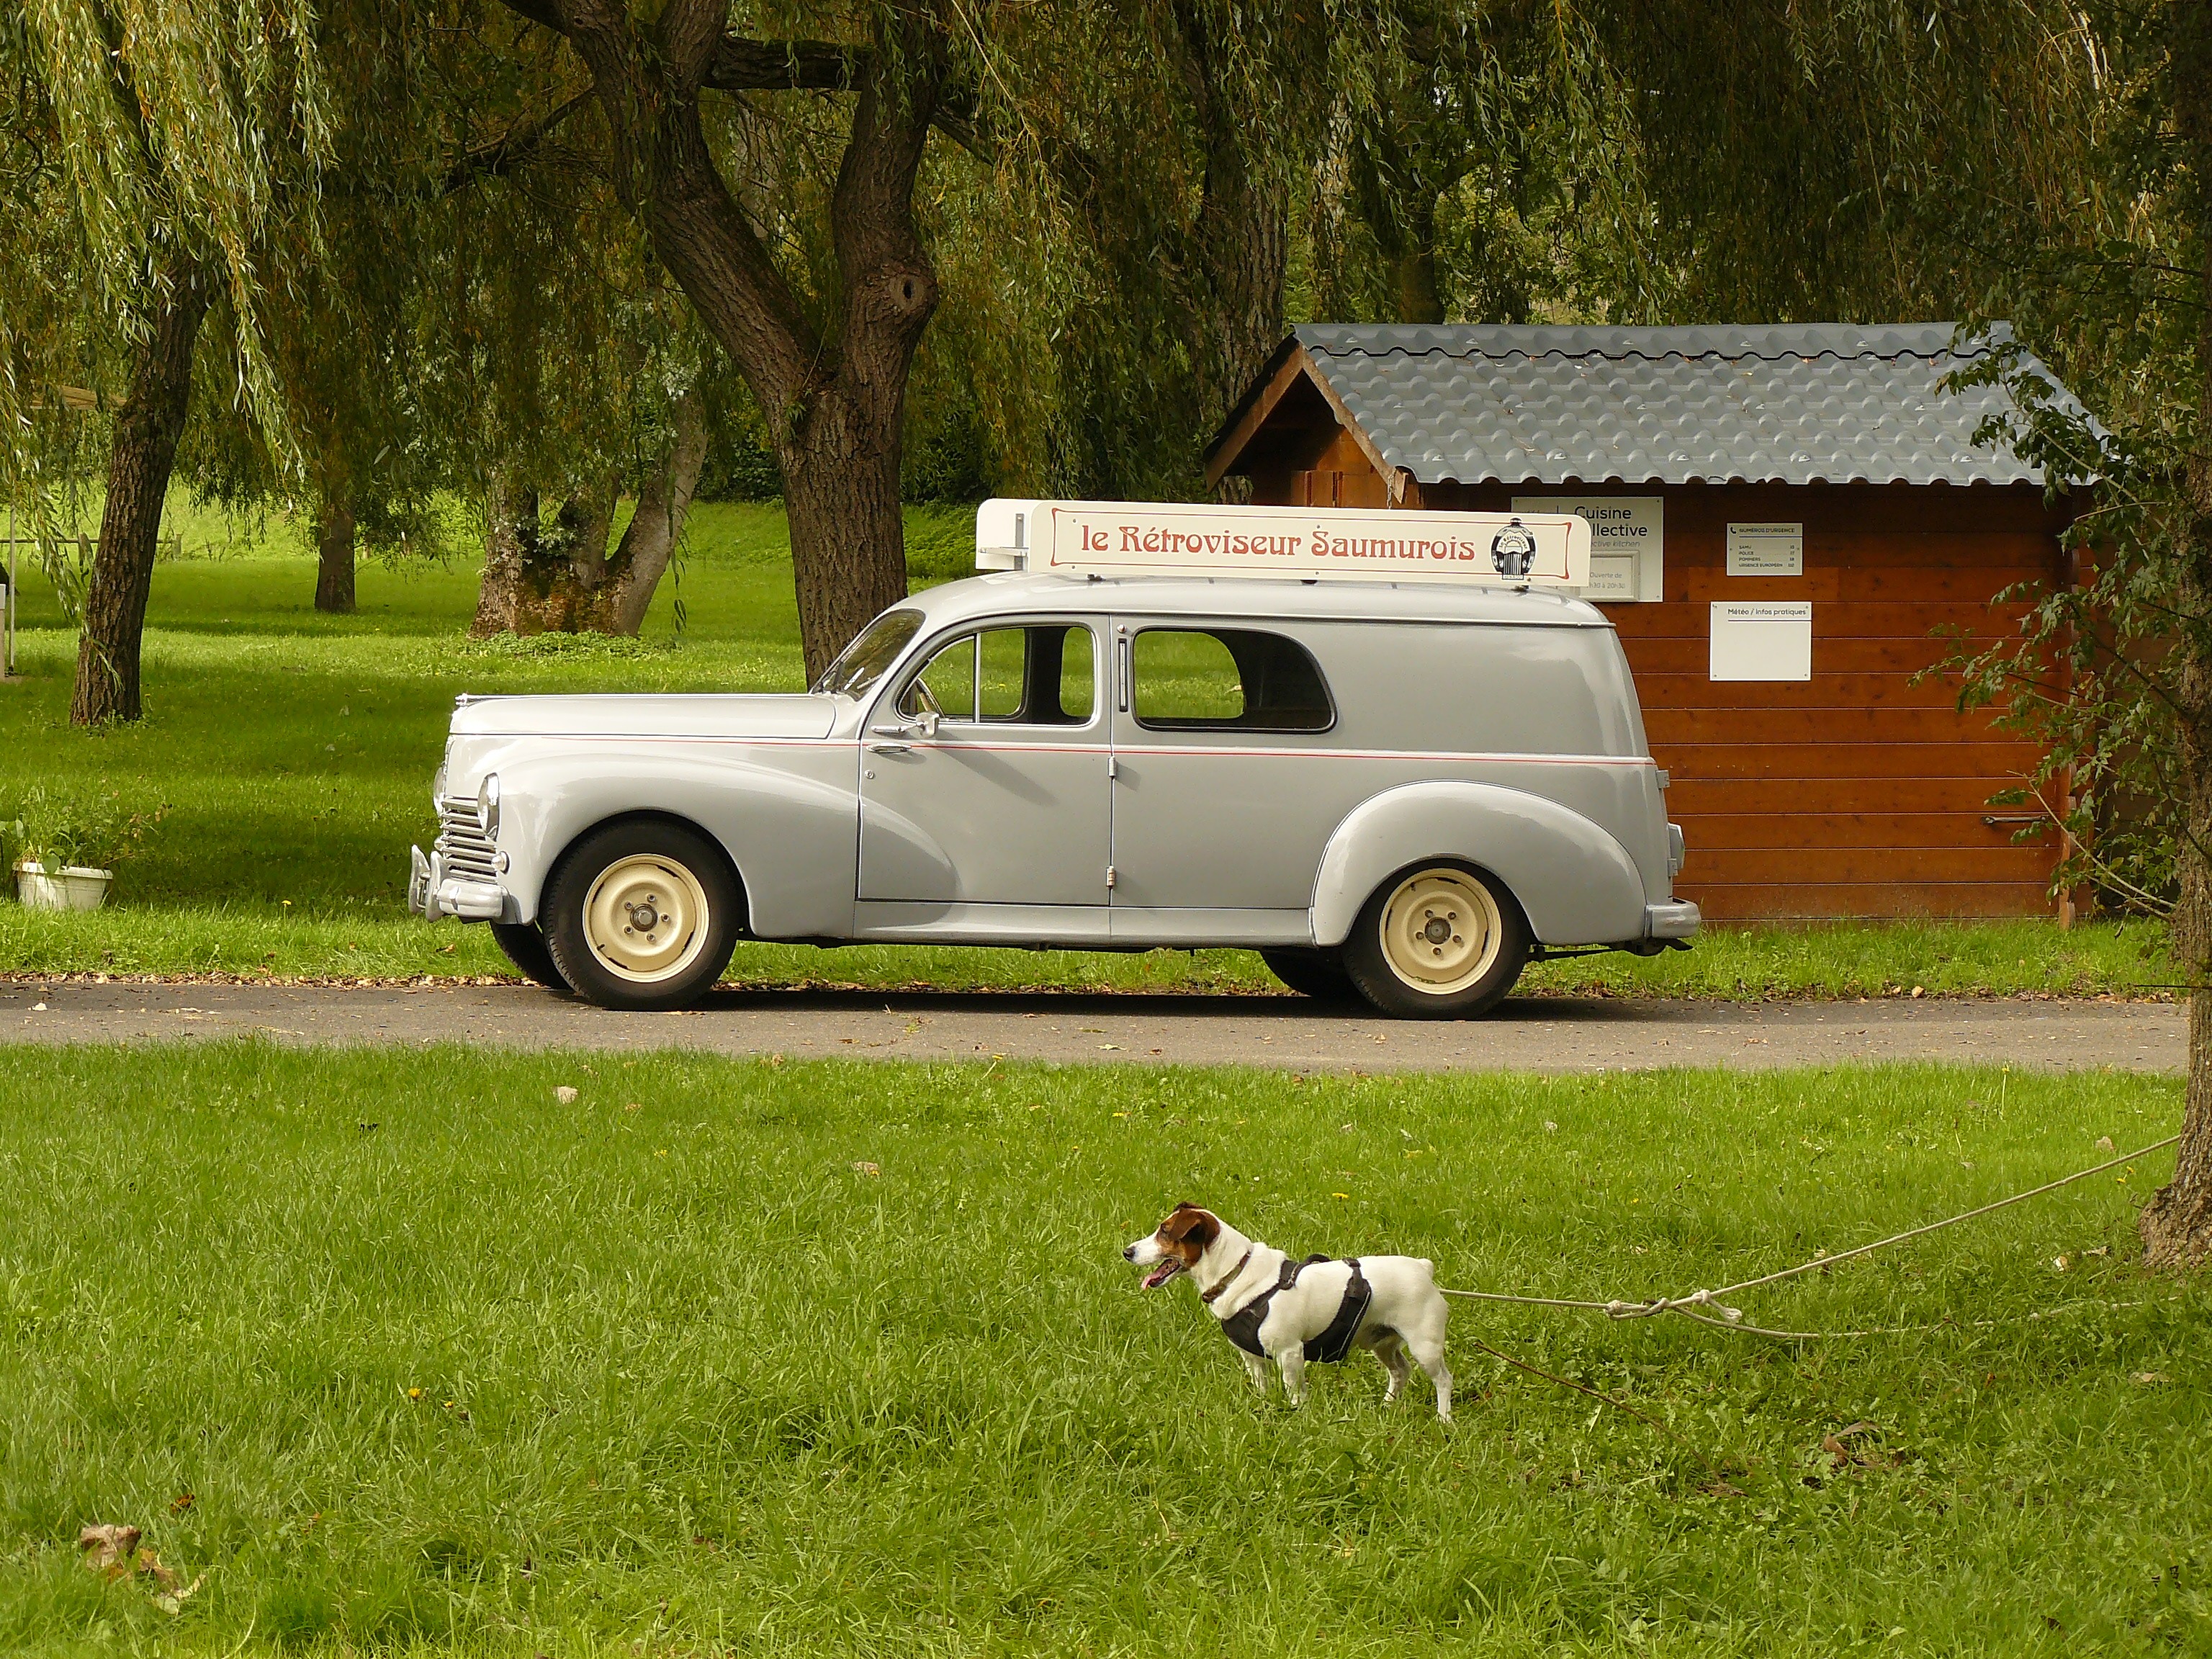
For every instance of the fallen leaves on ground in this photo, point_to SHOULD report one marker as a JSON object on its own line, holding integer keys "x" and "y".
{"x": 1842, "y": 1452}
{"x": 113, "y": 1551}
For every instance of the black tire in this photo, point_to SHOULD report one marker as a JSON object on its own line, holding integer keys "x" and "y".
{"x": 1453, "y": 897}
{"x": 525, "y": 946}
{"x": 654, "y": 874}
{"x": 1316, "y": 974}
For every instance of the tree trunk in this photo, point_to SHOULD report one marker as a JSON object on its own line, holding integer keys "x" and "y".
{"x": 836, "y": 395}
{"x": 1413, "y": 266}
{"x": 1242, "y": 232}
{"x": 641, "y": 558}
{"x": 512, "y": 554}
{"x": 2177, "y": 1222}
{"x": 146, "y": 428}
{"x": 841, "y": 494}
{"x": 536, "y": 582}
{"x": 334, "y": 559}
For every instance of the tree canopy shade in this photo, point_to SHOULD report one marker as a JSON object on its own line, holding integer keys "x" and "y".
{"x": 161, "y": 133}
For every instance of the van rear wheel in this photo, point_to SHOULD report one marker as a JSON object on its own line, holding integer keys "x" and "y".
{"x": 642, "y": 915}
{"x": 1439, "y": 940}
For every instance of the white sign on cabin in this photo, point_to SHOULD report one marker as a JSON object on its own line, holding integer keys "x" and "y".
{"x": 1767, "y": 550}
{"x": 1303, "y": 544}
{"x": 1628, "y": 541}
{"x": 1768, "y": 640}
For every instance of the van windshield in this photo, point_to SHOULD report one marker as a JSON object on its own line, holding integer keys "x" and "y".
{"x": 862, "y": 662}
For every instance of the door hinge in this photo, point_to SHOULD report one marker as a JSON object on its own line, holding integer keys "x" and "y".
{"x": 1109, "y": 875}
{"x": 1113, "y": 768}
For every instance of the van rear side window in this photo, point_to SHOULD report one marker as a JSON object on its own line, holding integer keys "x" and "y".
{"x": 1227, "y": 679}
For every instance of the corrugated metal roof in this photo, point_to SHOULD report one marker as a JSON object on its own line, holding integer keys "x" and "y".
{"x": 1830, "y": 402}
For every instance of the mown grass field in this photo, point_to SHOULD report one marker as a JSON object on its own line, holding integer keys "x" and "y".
{"x": 405, "y": 1355}
{"x": 284, "y": 766}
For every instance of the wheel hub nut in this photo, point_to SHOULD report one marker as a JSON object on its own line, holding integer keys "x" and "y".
{"x": 644, "y": 917}
{"x": 1437, "y": 930}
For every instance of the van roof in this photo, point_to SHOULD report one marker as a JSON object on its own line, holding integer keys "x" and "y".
{"x": 1254, "y": 598}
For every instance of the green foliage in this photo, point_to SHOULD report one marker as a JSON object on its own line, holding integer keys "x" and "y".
{"x": 832, "y": 1359}
{"x": 94, "y": 830}
{"x": 2109, "y": 281}
{"x": 145, "y": 140}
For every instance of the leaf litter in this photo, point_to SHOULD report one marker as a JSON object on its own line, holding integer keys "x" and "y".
{"x": 114, "y": 1552}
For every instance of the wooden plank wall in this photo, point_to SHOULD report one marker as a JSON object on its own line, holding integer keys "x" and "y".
{"x": 1858, "y": 793}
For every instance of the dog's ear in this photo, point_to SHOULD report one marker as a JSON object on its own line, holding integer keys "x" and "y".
{"x": 1188, "y": 1224}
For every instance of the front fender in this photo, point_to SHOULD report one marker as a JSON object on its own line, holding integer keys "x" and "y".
{"x": 794, "y": 838}
{"x": 1576, "y": 883}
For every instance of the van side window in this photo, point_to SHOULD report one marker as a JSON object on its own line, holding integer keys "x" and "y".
{"x": 1036, "y": 675}
{"x": 1227, "y": 679}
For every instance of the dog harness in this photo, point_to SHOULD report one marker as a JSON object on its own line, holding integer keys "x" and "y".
{"x": 1242, "y": 1327}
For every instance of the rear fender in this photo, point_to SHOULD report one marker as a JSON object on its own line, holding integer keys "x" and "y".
{"x": 1576, "y": 881}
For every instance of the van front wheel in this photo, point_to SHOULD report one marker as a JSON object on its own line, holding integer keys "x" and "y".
{"x": 525, "y": 946}
{"x": 642, "y": 915}
{"x": 1438, "y": 941}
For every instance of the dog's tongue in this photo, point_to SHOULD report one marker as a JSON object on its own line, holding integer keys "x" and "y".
{"x": 1161, "y": 1274}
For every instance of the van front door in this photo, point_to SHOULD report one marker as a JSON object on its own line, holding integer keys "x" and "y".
{"x": 983, "y": 775}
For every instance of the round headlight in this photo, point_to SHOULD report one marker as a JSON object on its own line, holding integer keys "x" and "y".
{"x": 488, "y": 805}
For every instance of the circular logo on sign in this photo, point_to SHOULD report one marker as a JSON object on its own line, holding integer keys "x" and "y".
{"x": 1513, "y": 549}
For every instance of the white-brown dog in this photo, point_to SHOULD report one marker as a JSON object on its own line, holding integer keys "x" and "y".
{"x": 1318, "y": 1309}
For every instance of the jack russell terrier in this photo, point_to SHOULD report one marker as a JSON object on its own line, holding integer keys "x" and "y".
{"x": 1291, "y": 1312}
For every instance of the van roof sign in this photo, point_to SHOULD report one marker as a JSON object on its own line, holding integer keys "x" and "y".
{"x": 1160, "y": 538}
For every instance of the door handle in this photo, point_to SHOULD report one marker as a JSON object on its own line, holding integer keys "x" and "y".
{"x": 891, "y": 749}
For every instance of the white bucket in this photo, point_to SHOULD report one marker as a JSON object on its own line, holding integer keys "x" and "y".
{"x": 73, "y": 888}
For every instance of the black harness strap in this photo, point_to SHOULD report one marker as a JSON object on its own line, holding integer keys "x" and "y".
{"x": 1242, "y": 1327}
{"x": 1333, "y": 1344}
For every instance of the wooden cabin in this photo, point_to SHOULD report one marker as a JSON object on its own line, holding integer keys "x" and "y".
{"x": 1783, "y": 518}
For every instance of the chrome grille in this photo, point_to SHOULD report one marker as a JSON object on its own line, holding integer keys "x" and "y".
{"x": 466, "y": 851}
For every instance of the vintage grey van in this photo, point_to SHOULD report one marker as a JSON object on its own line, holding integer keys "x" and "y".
{"x": 1397, "y": 779}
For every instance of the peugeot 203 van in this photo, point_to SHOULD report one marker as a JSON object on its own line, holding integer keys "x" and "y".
{"x": 1393, "y": 752}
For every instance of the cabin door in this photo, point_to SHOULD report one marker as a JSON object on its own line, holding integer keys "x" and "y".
{"x": 1006, "y": 802}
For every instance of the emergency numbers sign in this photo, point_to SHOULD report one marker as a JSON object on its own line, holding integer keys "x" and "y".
{"x": 1144, "y": 539}
{"x": 1767, "y": 550}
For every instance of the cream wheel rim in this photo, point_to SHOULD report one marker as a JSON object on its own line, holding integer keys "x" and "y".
{"x": 1441, "y": 930}
{"x": 646, "y": 919}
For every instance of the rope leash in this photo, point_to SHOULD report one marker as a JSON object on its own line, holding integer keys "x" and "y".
{"x": 1731, "y": 1318}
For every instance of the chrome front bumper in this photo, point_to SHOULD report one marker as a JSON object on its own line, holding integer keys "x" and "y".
{"x": 431, "y": 893}
{"x": 1676, "y": 919}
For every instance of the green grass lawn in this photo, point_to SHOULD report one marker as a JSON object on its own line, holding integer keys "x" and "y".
{"x": 283, "y": 768}
{"x": 403, "y": 1354}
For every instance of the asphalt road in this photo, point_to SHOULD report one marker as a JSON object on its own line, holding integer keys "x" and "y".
{"x": 1532, "y": 1034}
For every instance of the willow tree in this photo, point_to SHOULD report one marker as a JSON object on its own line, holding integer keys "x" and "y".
{"x": 2046, "y": 164}
{"x": 559, "y": 369}
{"x": 828, "y": 369}
{"x": 2113, "y": 671}
{"x": 167, "y": 128}
{"x": 1124, "y": 251}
